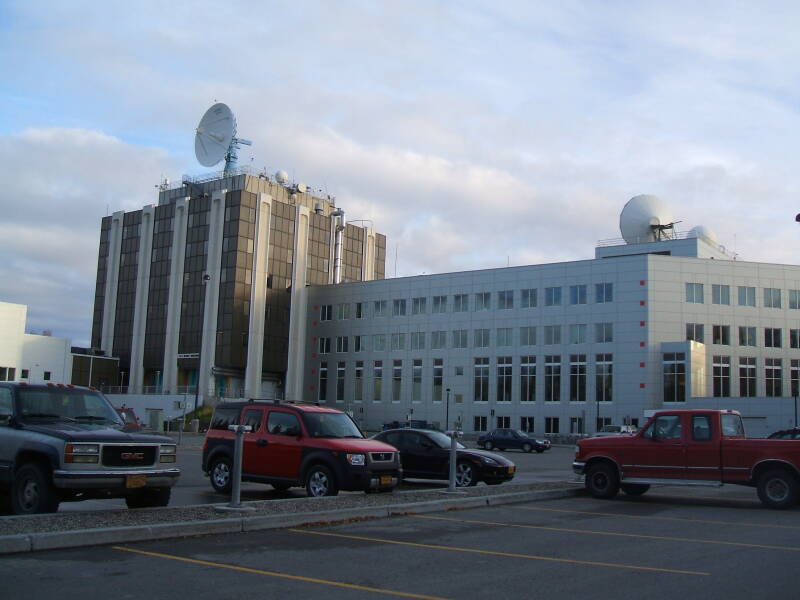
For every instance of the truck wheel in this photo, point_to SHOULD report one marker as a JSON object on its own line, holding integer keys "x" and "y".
{"x": 777, "y": 488}
{"x": 152, "y": 498}
{"x": 320, "y": 482}
{"x": 602, "y": 481}
{"x": 526, "y": 447}
{"x": 634, "y": 489}
{"x": 32, "y": 491}
{"x": 221, "y": 473}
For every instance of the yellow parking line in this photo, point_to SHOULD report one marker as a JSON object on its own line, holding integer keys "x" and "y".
{"x": 350, "y": 586}
{"x": 611, "y": 533}
{"x": 653, "y": 518}
{"x": 496, "y": 553}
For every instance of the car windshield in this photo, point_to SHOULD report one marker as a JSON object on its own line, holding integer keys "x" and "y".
{"x": 520, "y": 433}
{"x": 64, "y": 404}
{"x": 440, "y": 439}
{"x": 331, "y": 425}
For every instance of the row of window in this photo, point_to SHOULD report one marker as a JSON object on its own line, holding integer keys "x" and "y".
{"x": 503, "y": 300}
{"x": 747, "y": 336}
{"x": 551, "y": 424}
{"x": 723, "y": 383}
{"x": 10, "y": 373}
{"x": 459, "y": 338}
{"x": 746, "y": 295}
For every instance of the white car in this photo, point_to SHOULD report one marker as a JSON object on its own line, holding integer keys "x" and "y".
{"x": 617, "y": 430}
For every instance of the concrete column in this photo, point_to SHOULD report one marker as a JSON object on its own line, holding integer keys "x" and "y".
{"x": 216, "y": 220}
{"x": 255, "y": 336}
{"x": 368, "y": 255}
{"x": 136, "y": 378}
{"x": 112, "y": 279}
{"x": 175, "y": 297}
{"x": 298, "y": 311}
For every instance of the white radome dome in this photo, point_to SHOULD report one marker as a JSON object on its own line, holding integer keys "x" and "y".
{"x": 701, "y": 231}
{"x": 639, "y": 214}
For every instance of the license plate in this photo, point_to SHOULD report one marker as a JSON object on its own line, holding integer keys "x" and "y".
{"x": 135, "y": 481}
{"x": 511, "y": 469}
{"x": 386, "y": 480}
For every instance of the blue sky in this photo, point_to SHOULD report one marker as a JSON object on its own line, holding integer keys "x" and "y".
{"x": 474, "y": 134}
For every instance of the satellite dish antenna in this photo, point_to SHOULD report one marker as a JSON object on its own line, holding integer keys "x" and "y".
{"x": 645, "y": 219}
{"x": 215, "y": 138}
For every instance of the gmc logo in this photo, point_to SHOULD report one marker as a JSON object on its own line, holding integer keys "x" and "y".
{"x": 132, "y": 455}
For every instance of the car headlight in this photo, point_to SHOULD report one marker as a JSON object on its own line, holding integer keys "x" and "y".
{"x": 489, "y": 461}
{"x": 82, "y": 453}
{"x": 577, "y": 450}
{"x": 357, "y": 460}
{"x": 167, "y": 453}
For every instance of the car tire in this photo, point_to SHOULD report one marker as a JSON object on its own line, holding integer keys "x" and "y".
{"x": 777, "y": 488}
{"x": 32, "y": 491}
{"x": 526, "y": 447}
{"x": 634, "y": 489}
{"x": 221, "y": 474}
{"x": 320, "y": 482}
{"x": 493, "y": 482}
{"x": 488, "y": 445}
{"x": 151, "y": 498}
{"x": 539, "y": 450}
{"x": 465, "y": 474}
{"x": 602, "y": 481}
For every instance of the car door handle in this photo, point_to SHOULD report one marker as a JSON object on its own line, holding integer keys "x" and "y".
{"x": 261, "y": 442}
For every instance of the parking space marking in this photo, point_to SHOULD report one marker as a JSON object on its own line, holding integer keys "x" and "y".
{"x": 610, "y": 533}
{"x": 502, "y": 554}
{"x": 654, "y": 518}
{"x": 350, "y": 586}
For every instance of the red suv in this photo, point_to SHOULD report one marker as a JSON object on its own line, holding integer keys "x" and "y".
{"x": 295, "y": 444}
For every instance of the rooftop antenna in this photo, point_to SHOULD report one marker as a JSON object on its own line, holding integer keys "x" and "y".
{"x": 215, "y": 138}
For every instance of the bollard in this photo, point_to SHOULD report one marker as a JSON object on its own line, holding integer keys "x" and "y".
{"x": 236, "y": 477}
{"x": 453, "y": 459}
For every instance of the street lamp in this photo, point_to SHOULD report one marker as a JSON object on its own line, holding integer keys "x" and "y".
{"x": 206, "y": 278}
{"x": 447, "y": 411}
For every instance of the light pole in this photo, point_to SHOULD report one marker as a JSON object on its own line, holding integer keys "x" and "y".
{"x": 205, "y": 280}
{"x": 447, "y": 411}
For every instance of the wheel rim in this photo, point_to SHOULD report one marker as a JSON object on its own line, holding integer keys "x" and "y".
{"x": 318, "y": 483}
{"x": 777, "y": 490}
{"x": 463, "y": 475}
{"x": 526, "y": 448}
{"x": 600, "y": 481}
{"x": 29, "y": 495}
{"x": 221, "y": 474}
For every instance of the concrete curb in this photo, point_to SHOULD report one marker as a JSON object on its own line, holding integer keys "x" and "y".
{"x": 34, "y": 542}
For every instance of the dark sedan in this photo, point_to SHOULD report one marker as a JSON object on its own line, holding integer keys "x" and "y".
{"x": 426, "y": 455}
{"x": 503, "y": 439}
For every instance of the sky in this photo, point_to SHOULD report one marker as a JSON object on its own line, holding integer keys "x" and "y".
{"x": 474, "y": 134}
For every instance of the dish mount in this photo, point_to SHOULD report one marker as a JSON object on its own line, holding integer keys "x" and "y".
{"x": 215, "y": 138}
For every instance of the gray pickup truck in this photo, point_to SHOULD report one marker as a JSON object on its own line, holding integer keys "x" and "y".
{"x": 64, "y": 443}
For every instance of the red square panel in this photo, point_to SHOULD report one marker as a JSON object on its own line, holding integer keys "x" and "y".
{"x": 641, "y": 364}
{"x": 641, "y": 323}
{"x": 641, "y": 344}
{"x": 641, "y": 302}
{"x": 642, "y": 282}
{"x": 641, "y": 385}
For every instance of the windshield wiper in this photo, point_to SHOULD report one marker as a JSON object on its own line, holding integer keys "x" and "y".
{"x": 48, "y": 416}
{"x": 91, "y": 418}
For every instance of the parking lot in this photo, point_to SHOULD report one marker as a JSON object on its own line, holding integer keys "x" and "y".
{"x": 718, "y": 545}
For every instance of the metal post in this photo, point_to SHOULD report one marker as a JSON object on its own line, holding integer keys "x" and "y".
{"x": 451, "y": 487}
{"x": 237, "y": 464}
{"x": 447, "y": 412}
{"x": 206, "y": 278}
{"x": 795, "y": 410}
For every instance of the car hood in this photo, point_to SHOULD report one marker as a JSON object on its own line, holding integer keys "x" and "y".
{"x": 483, "y": 453}
{"x": 85, "y": 432}
{"x": 357, "y": 445}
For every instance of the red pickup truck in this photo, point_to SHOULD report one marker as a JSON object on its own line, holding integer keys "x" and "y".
{"x": 691, "y": 447}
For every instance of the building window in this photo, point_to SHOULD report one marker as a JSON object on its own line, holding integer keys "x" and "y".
{"x": 552, "y": 378}
{"x": 341, "y": 343}
{"x": 398, "y": 341}
{"x": 358, "y": 387}
{"x": 577, "y": 378}
{"x": 416, "y": 380}
{"x": 340, "y": 370}
{"x": 377, "y": 380}
{"x": 47, "y": 376}
{"x": 551, "y": 424}
{"x": 360, "y": 310}
{"x": 479, "y": 423}
{"x": 695, "y": 332}
{"x": 505, "y": 299}
{"x": 747, "y": 296}
{"x": 773, "y": 376}
{"x": 721, "y": 334}
{"x": 577, "y": 333}
{"x": 527, "y": 379}
{"x": 418, "y": 306}
{"x": 747, "y": 376}
{"x": 359, "y": 343}
{"x": 504, "y": 337}
{"x": 576, "y": 424}
{"x": 772, "y": 337}
{"x": 603, "y": 377}
{"x": 438, "y": 339}
{"x": 504, "y": 378}
{"x": 399, "y": 307}
{"x": 326, "y": 312}
{"x": 397, "y": 379}
{"x": 552, "y": 335}
{"x": 438, "y": 380}
{"x": 694, "y": 292}
{"x": 794, "y": 299}
{"x": 552, "y": 296}
{"x": 323, "y": 382}
{"x": 460, "y": 303}
{"x": 459, "y": 338}
{"x": 379, "y": 342}
{"x": 503, "y": 422}
{"x": 603, "y": 332}
{"x": 601, "y": 422}
{"x": 342, "y": 311}
{"x": 528, "y": 298}
{"x": 747, "y": 336}
{"x": 794, "y": 338}
{"x": 577, "y": 294}
{"x": 603, "y": 292}
{"x": 481, "y": 379}
{"x": 674, "y": 377}
{"x": 324, "y": 345}
{"x": 772, "y": 298}
{"x": 481, "y": 338}
{"x": 380, "y": 308}
{"x": 439, "y": 304}
{"x": 418, "y": 340}
{"x": 794, "y": 375}
{"x": 721, "y": 366}
{"x": 483, "y": 301}
{"x": 527, "y": 336}
{"x": 526, "y": 424}
{"x": 24, "y": 374}
{"x": 720, "y": 294}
